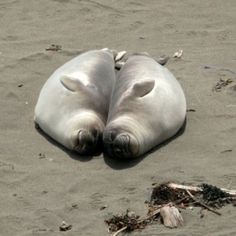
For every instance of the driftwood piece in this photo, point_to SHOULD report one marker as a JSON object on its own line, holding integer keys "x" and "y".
{"x": 119, "y": 231}
{"x": 198, "y": 189}
{"x": 171, "y": 216}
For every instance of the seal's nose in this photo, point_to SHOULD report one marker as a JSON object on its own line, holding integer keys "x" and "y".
{"x": 87, "y": 141}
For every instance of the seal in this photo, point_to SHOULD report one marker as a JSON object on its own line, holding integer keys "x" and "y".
{"x": 147, "y": 107}
{"x": 73, "y": 104}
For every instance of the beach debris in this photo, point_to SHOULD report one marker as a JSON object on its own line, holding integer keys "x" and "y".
{"x": 191, "y": 110}
{"x": 103, "y": 207}
{"x": 74, "y": 206}
{"x": 42, "y": 155}
{"x": 207, "y": 196}
{"x": 127, "y": 222}
{"x": 165, "y": 202}
{"x": 20, "y": 85}
{"x": 171, "y": 216}
{"x": 54, "y": 47}
{"x": 64, "y": 226}
{"x": 178, "y": 54}
{"x": 163, "y": 59}
{"x": 120, "y": 55}
{"x": 227, "y": 150}
{"x": 221, "y": 84}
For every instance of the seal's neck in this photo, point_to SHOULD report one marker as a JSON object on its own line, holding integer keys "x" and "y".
{"x": 86, "y": 119}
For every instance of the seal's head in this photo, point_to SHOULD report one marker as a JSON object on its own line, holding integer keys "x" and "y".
{"x": 87, "y": 142}
{"x": 86, "y": 134}
{"x": 121, "y": 139}
{"x": 120, "y": 144}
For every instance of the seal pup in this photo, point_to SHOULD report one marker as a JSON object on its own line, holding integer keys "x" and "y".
{"x": 73, "y": 104}
{"x": 147, "y": 107}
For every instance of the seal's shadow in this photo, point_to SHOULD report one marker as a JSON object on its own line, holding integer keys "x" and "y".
{"x": 119, "y": 164}
{"x": 71, "y": 154}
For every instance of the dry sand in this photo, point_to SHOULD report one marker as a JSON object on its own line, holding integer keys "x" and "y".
{"x": 38, "y": 192}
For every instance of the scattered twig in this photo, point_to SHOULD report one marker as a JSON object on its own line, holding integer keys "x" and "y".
{"x": 227, "y": 150}
{"x": 198, "y": 189}
{"x": 184, "y": 187}
{"x": 54, "y": 47}
{"x": 119, "y": 231}
{"x": 191, "y": 110}
{"x": 221, "y": 83}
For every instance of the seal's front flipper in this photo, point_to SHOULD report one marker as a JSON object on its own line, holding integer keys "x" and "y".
{"x": 75, "y": 85}
{"x": 143, "y": 88}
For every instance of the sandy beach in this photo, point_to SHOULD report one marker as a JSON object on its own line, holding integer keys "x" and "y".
{"x": 41, "y": 184}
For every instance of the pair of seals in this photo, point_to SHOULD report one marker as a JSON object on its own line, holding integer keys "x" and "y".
{"x": 146, "y": 104}
{"x": 73, "y": 104}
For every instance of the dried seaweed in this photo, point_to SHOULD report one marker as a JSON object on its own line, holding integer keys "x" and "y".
{"x": 171, "y": 197}
{"x": 222, "y": 83}
{"x": 130, "y": 221}
{"x": 209, "y": 195}
{"x": 163, "y": 194}
{"x": 215, "y": 197}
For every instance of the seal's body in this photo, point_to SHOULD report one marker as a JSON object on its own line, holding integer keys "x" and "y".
{"x": 73, "y": 104}
{"x": 147, "y": 107}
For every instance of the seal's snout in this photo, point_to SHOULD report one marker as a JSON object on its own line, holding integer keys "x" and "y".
{"x": 119, "y": 145}
{"x": 87, "y": 142}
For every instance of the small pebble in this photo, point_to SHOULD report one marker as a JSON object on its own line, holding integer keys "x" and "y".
{"x": 103, "y": 207}
{"x": 42, "y": 155}
{"x": 65, "y": 227}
